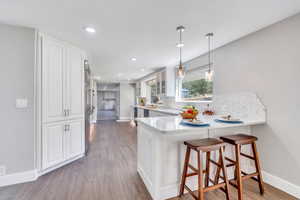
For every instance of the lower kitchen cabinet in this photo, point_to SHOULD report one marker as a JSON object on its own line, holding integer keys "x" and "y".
{"x": 74, "y": 139}
{"x": 61, "y": 142}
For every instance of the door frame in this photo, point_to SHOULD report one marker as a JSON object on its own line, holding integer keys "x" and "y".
{"x": 38, "y": 102}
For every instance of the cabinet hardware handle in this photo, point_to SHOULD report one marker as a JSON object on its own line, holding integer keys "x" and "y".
{"x": 65, "y": 113}
{"x": 65, "y": 127}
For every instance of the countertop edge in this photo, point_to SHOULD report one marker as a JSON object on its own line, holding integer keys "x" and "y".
{"x": 191, "y": 129}
{"x": 158, "y": 110}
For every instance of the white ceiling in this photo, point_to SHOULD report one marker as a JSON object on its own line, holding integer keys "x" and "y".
{"x": 144, "y": 29}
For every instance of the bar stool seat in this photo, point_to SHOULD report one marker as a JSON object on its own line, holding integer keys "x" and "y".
{"x": 204, "y": 146}
{"x": 239, "y": 139}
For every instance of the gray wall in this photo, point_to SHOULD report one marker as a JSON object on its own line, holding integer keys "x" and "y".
{"x": 16, "y": 81}
{"x": 268, "y": 63}
{"x": 126, "y": 100}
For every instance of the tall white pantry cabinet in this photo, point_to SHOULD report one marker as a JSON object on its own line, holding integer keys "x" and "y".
{"x": 62, "y": 102}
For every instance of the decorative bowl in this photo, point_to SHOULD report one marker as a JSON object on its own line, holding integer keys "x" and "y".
{"x": 186, "y": 115}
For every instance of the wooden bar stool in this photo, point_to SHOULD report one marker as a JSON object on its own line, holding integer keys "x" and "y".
{"x": 239, "y": 140}
{"x": 204, "y": 146}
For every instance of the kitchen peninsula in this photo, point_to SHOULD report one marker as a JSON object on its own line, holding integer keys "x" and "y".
{"x": 160, "y": 141}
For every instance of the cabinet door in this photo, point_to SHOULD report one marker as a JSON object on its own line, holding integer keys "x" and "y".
{"x": 53, "y": 144}
{"x": 75, "y": 82}
{"x": 163, "y": 82}
{"x": 74, "y": 138}
{"x": 53, "y": 62}
{"x": 138, "y": 89}
{"x": 158, "y": 84}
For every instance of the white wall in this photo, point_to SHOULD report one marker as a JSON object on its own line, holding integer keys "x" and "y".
{"x": 126, "y": 100}
{"x": 16, "y": 81}
{"x": 268, "y": 63}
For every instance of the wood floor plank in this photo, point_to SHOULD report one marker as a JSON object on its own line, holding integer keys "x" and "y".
{"x": 109, "y": 173}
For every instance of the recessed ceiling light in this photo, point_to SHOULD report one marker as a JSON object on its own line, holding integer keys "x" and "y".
{"x": 142, "y": 69}
{"x": 133, "y": 59}
{"x": 90, "y": 29}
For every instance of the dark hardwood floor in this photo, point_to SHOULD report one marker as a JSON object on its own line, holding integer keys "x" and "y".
{"x": 108, "y": 173}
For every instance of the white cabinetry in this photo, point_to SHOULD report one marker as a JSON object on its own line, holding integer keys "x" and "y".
{"x": 158, "y": 84}
{"x": 53, "y": 144}
{"x": 62, "y": 91}
{"x": 138, "y": 89}
{"x": 161, "y": 83}
{"x": 53, "y": 69}
{"x": 62, "y": 77}
{"x": 62, "y": 141}
{"x": 75, "y": 80}
{"x": 74, "y": 139}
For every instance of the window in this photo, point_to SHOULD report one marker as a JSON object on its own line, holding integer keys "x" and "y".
{"x": 194, "y": 86}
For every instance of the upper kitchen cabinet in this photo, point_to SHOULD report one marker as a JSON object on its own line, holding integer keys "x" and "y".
{"x": 62, "y": 80}
{"x": 138, "y": 89}
{"x": 158, "y": 84}
{"x": 161, "y": 83}
{"x": 53, "y": 56}
{"x": 74, "y": 82}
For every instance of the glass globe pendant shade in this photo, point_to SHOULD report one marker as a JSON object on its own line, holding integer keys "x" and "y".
{"x": 209, "y": 75}
{"x": 180, "y": 71}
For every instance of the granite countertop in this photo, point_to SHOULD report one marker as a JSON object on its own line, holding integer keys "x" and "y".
{"x": 171, "y": 111}
{"x": 168, "y": 125}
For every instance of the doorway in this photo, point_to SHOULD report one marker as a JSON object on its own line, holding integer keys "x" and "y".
{"x": 108, "y": 101}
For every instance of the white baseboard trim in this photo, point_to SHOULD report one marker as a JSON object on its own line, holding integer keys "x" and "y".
{"x": 16, "y": 178}
{"x": 124, "y": 119}
{"x": 165, "y": 192}
{"x": 45, "y": 171}
{"x": 279, "y": 183}
{"x": 282, "y": 184}
{"x": 146, "y": 181}
{"x": 170, "y": 191}
{"x": 28, "y": 176}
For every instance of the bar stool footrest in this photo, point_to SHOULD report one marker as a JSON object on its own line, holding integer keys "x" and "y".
{"x": 214, "y": 187}
{"x": 247, "y": 156}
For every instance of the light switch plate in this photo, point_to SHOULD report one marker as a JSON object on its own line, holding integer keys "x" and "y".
{"x": 21, "y": 103}
{"x": 2, "y": 170}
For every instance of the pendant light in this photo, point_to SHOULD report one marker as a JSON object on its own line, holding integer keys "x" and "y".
{"x": 180, "y": 71}
{"x": 209, "y": 74}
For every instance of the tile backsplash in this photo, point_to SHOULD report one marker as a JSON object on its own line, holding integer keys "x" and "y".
{"x": 244, "y": 105}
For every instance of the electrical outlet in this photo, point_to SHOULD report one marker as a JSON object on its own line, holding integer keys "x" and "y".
{"x": 2, "y": 170}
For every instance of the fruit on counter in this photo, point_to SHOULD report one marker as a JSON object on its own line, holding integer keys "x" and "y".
{"x": 190, "y": 112}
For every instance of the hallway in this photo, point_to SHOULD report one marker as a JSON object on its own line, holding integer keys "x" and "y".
{"x": 107, "y": 173}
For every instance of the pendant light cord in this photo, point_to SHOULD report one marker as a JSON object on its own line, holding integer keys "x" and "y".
{"x": 209, "y": 56}
{"x": 180, "y": 48}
